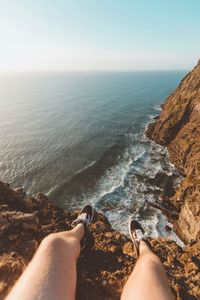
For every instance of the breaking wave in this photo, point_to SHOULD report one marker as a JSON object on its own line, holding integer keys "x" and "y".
{"x": 124, "y": 180}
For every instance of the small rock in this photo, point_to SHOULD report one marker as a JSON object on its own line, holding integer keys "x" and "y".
{"x": 108, "y": 234}
{"x": 3, "y": 223}
{"x": 99, "y": 225}
{"x": 113, "y": 248}
{"x": 13, "y": 237}
{"x": 120, "y": 259}
{"x": 117, "y": 236}
{"x": 119, "y": 274}
{"x": 168, "y": 228}
{"x": 184, "y": 257}
{"x": 42, "y": 198}
{"x": 20, "y": 193}
{"x": 170, "y": 259}
{"x": 128, "y": 249}
{"x": 104, "y": 282}
{"x": 4, "y": 207}
{"x": 192, "y": 266}
{"x": 30, "y": 221}
{"x": 13, "y": 254}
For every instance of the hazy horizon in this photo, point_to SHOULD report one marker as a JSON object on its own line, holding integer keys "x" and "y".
{"x": 98, "y": 36}
{"x": 91, "y": 71}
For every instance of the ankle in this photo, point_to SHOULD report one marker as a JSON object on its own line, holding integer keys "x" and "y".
{"x": 78, "y": 231}
{"x": 144, "y": 248}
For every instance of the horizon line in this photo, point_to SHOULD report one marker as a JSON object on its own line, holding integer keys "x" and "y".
{"x": 91, "y": 70}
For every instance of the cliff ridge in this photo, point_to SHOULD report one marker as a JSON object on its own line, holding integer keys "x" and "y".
{"x": 178, "y": 128}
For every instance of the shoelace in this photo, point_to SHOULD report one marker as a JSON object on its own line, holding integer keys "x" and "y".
{"x": 84, "y": 218}
{"x": 87, "y": 219}
{"x": 139, "y": 235}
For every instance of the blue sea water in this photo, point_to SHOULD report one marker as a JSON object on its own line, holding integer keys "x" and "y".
{"x": 79, "y": 138}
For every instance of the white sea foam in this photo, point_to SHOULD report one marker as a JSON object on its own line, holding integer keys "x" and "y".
{"x": 51, "y": 190}
{"x": 157, "y": 107}
{"x": 151, "y": 117}
{"x": 85, "y": 167}
{"x": 131, "y": 197}
{"x": 113, "y": 179}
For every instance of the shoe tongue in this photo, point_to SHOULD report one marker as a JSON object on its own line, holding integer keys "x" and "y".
{"x": 139, "y": 234}
{"x": 83, "y": 215}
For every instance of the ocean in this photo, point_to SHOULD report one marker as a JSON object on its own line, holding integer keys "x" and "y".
{"x": 79, "y": 138}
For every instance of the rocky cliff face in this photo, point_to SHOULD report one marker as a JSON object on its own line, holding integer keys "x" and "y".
{"x": 178, "y": 128}
{"x": 103, "y": 268}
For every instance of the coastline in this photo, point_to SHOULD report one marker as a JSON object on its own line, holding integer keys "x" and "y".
{"x": 165, "y": 205}
{"x": 177, "y": 129}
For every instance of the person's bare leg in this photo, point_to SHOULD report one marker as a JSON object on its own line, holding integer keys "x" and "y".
{"x": 148, "y": 281}
{"x": 52, "y": 272}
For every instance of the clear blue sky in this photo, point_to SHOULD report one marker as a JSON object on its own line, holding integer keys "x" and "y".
{"x": 99, "y": 34}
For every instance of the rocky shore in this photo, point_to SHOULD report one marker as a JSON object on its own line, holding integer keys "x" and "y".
{"x": 105, "y": 265}
{"x": 178, "y": 128}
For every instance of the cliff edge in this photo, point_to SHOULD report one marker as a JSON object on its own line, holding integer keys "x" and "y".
{"x": 103, "y": 267}
{"x": 178, "y": 128}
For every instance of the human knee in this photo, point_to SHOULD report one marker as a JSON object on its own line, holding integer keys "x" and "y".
{"x": 62, "y": 243}
{"x": 53, "y": 241}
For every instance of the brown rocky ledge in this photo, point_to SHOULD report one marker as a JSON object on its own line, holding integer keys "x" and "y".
{"x": 102, "y": 269}
{"x": 178, "y": 128}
